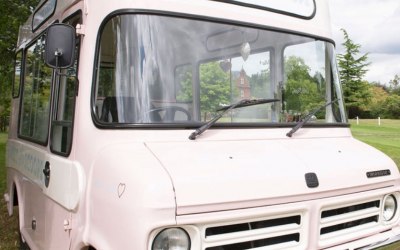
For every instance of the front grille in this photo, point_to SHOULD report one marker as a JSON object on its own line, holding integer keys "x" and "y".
{"x": 314, "y": 224}
{"x": 349, "y": 209}
{"x": 283, "y": 231}
{"x": 259, "y": 243}
{"x": 351, "y": 224}
{"x": 253, "y": 225}
{"x": 358, "y": 217}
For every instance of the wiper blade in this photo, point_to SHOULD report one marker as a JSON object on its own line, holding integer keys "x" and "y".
{"x": 248, "y": 102}
{"x": 308, "y": 117}
{"x": 239, "y": 104}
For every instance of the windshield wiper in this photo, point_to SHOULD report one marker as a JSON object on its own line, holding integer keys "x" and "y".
{"x": 239, "y": 104}
{"x": 308, "y": 117}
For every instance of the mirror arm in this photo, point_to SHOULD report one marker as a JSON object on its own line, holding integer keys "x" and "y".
{"x": 58, "y": 69}
{"x": 58, "y": 72}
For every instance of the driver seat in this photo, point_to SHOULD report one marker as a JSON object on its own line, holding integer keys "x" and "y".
{"x": 109, "y": 113}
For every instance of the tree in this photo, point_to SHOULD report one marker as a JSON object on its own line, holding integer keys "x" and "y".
{"x": 379, "y": 96}
{"x": 395, "y": 85}
{"x": 391, "y": 107}
{"x": 215, "y": 87}
{"x": 352, "y": 70}
{"x": 14, "y": 13}
{"x": 303, "y": 93}
{"x": 258, "y": 84}
{"x": 5, "y": 99}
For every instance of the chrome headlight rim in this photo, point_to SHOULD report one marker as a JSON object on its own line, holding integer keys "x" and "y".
{"x": 384, "y": 207}
{"x": 163, "y": 231}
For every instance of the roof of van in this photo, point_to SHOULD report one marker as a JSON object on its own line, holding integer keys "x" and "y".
{"x": 26, "y": 30}
{"x": 318, "y": 25}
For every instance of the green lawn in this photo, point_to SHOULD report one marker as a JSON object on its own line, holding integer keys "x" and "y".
{"x": 8, "y": 225}
{"x": 385, "y": 137}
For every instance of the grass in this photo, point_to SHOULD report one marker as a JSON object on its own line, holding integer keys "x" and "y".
{"x": 385, "y": 137}
{"x": 8, "y": 225}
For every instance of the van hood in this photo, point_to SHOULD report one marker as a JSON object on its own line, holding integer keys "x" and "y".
{"x": 220, "y": 175}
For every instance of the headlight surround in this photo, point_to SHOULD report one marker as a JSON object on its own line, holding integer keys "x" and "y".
{"x": 389, "y": 207}
{"x": 173, "y": 239}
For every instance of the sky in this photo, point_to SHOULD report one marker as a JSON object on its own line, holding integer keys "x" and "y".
{"x": 375, "y": 25}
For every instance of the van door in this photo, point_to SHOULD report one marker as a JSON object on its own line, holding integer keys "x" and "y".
{"x": 49, "y": 186}
{"x": 63, "y": 179}
{"x": 29, "y": 155}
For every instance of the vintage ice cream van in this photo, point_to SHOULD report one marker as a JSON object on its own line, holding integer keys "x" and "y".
{"x": 202, "y": 125}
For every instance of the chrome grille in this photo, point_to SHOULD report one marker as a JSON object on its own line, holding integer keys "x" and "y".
{"x": 274, "y": 232}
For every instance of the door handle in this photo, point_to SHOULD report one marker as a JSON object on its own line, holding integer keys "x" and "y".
{"x": 46, "y": 172}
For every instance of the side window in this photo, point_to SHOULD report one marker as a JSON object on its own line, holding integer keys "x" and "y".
{"x": 17, "y": 75}
{"x": 64, "y": 104}
{"x": 35, "y": 109}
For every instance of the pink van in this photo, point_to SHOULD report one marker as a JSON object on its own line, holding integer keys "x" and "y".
{"x": 202, "y": 125}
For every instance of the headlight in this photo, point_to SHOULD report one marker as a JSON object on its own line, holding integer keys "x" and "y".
{"x": 389, "y": 207}
{"x": 172, "y": 239}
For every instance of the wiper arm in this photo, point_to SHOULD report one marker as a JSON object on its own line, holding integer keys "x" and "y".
{"x": 308, "y": 117}
{"x": 247, "y": 102}
{"x": 239, "y": 104}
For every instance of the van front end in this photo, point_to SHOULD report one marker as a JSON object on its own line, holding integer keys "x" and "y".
{"x": 258, "y": 190}
{"x": 340, "y": 222}
{"x": 201, "y": 125}
{"x": 241, "y": 117}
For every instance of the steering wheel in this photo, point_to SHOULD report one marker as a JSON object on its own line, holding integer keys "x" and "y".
{"x": 170, "y": 112}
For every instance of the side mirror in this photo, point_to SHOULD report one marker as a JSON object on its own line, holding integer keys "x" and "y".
{"x": 60, "y": 46}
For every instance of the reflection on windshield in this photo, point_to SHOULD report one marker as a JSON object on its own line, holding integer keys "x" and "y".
{"x": 158, "y": 69}
{"x": 307, "y": 71}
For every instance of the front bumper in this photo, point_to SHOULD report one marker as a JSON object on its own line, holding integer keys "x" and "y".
{"x": 393, "y": 243}
{"x": 389, "y": 240}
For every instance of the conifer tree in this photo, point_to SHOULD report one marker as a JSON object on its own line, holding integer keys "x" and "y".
{"x": 353, "y": 68}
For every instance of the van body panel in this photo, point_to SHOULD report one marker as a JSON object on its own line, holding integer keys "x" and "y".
{"x": 127, "y": 187}
{"x": 319, "y": 25}
{"x": 35, "y": 207}
{"x": 66, "y": 177}
{"x": 208, "y": 174}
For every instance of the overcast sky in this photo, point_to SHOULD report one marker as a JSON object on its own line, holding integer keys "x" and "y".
{"x": 375, "y": 25}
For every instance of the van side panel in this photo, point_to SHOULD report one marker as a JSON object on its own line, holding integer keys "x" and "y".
{"x": 129, "y": 194}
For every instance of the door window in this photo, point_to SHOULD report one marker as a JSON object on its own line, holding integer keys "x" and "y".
{"x": 64, "y": 104}
{"x": 35, "y": 109}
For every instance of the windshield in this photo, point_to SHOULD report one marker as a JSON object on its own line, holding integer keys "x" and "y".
{"x": 166, "y": 70}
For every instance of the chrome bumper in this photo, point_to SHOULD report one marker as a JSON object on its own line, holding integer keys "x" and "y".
{"x": 392, "y": 243}
{"x": 389, "y": 240}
